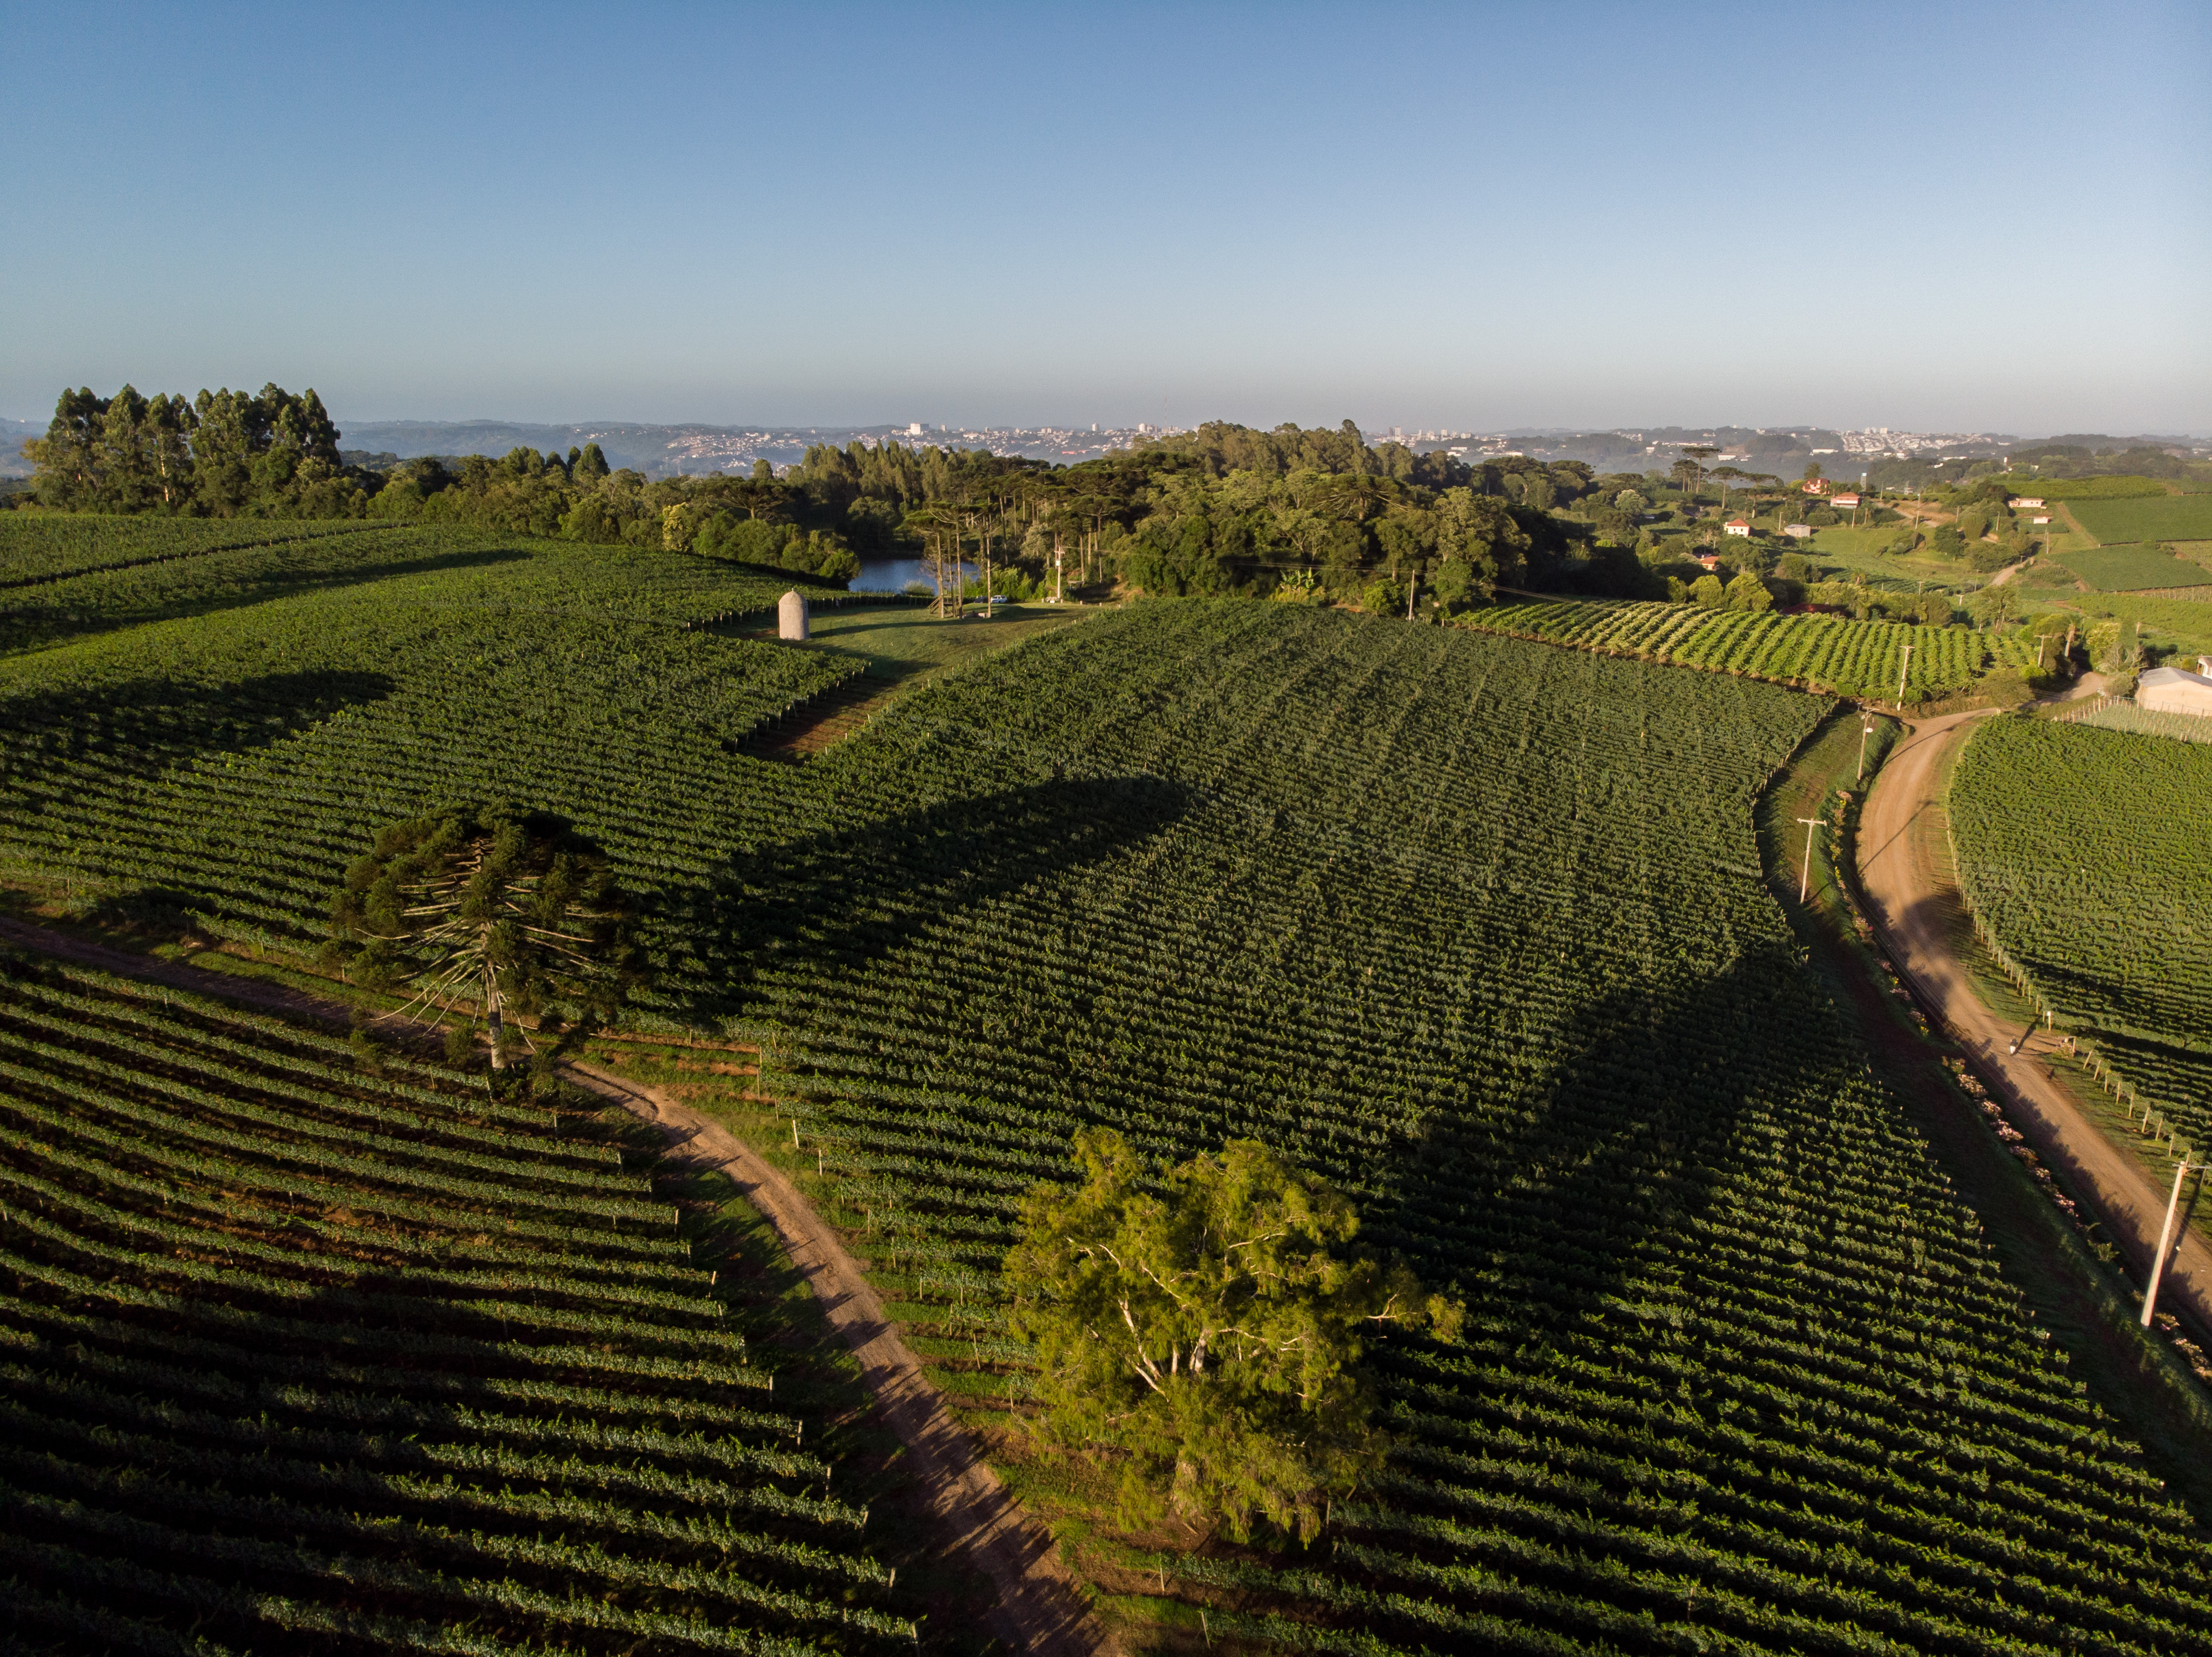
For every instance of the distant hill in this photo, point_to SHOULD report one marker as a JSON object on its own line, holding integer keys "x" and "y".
{"x": 12, "y": 436}
{"x": 653, "y": 450}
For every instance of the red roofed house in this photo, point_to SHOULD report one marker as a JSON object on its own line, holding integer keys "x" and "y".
{"x": 1736, "y": 526}
{"x": 1843, "y": 502}
{"x": 1710, "y": 560}
{"x": 1816, "y": 485}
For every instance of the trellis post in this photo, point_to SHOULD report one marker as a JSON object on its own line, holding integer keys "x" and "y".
{"x": 1805, "y": 878}
{"x": 2165, "y": 1242}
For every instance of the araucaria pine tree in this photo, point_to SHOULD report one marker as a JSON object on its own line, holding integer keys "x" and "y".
{"x": 512, "y": 912}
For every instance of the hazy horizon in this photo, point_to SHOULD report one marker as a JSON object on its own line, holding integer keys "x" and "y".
{"x": 1983, "y": 218}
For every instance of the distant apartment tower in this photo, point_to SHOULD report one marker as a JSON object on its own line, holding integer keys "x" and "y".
{"x": 914, "y": 428}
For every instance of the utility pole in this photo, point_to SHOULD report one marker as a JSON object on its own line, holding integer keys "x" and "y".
{"x": 1866, "y": 730}
{"x": 1903, "y": 663}
{"x": 2165, "y": 1241}
{"x": 1805, "y": 879}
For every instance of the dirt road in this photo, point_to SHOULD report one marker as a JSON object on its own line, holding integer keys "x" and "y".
{"x": 1040, "y": 1608}
{"x": 1904, "y": 864}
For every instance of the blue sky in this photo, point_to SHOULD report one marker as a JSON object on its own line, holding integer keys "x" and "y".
{"x": 1927, "y": 216}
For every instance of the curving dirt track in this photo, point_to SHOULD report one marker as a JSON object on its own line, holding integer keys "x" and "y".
{"x": 1041, "y": 1610}
{"x": 1904, "y": 857}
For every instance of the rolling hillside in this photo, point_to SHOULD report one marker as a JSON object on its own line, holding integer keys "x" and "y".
{"x": 1473, "y": 925}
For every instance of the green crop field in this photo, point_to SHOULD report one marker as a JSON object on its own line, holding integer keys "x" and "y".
{"x": 1472, "y": 925}
{"x": 2085, "y": 852}
{"x": 2146, "y": 721}
{"x": 297, "y": 1359}
{"x": 2181, "y": 625}
{"x": 1828, "y": 652}
{"x": 245, "y": 568}
{"x": 39, "y": 548}
{"x": 2134, "y": 569}
{"x": 2163, "y": 518}
{"x": 2110, "y": 487}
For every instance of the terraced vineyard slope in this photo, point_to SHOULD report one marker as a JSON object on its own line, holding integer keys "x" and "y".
{"x": 223, "y": 769}
{"x": 294, "y": 1359}
{"x": 42, "y": 547}
{"x": 1822, "y": 652}
{"x": 2163, "y": 517}
{"x": 1477, "y": 928}
{"x": 2085, "y": 851}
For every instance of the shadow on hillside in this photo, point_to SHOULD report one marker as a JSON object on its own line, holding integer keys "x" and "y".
{"x": 1568, "y": 1188}
{"x": 839, "y": 899}
{"x": 24, "y": 623}
{"x": 147, "y": 725}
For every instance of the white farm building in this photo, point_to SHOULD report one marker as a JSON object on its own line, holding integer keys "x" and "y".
{"x": 2172, "y": 691}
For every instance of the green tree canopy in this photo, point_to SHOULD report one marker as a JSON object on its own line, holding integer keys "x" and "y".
{"x": 1206, "y": 1323}
{"x": 512, "y": 910}
{"x": 1748, "y": 592}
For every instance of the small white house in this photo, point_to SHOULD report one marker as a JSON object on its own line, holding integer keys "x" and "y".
{"x": 1736, "y": 526}
{"x": 2041, "y": 518}
{"x": 1798, "y": 532}
{"x": 2033, "y": 503}
{"x": 2172, "y": 691}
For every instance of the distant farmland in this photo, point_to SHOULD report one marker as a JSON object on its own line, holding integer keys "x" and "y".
{"x": 2160, "y": 518}
{"x": 2134, "y": 569}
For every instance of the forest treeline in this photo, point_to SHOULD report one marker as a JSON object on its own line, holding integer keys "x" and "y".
{"x": 1223, "y": 509}
{"x": 1292, "y": 512}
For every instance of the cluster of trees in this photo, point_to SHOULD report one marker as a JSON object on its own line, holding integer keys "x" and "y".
{"x": 1303, "y": 514}
{"x": 1311, "y": 514}
{"x": 2089, "y": 457}
{"x": 222, "y": 453}
{"x": 1226, "y": 509}
{"x": 1985, "y": 533}
{"x": 272, "y": 455}
{"x": 579, "y": 497}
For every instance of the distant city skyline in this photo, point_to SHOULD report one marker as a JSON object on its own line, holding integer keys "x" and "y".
{"x": 1472, "y": 217}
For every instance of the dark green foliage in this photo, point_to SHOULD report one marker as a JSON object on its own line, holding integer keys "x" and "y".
{"x": 2085, "y": 853}
{"x": 296, "y": 1359}
{"x": 511, "y": 911}
{"x": 1828, "y": 652}
{"x": 224, "y": 454}
{"x": 1471, "y": 929}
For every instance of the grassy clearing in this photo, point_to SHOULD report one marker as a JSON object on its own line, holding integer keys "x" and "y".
{"x": 906, "y": 647}
{"x": 2165, "y": 518}
{"x": 2047, "y": 576}
{"x": 2133, "y": 568}
{"x": 1852, "y": 550}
